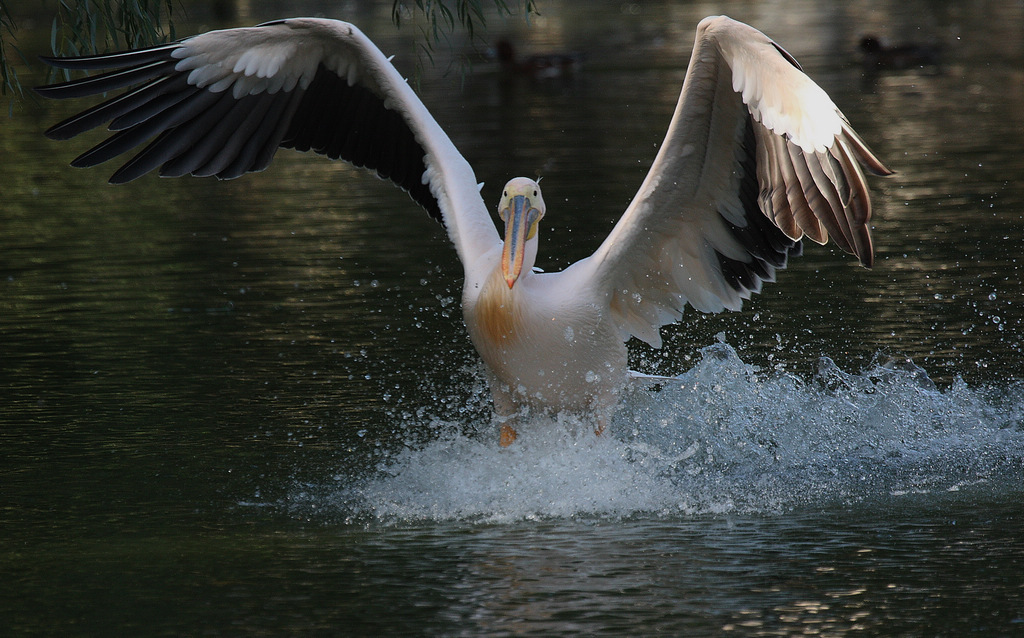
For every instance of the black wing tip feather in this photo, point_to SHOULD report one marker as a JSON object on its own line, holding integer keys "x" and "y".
{"x": 865, "y": 250}
{"x": 865, "y": 157}
{"x": 768, "y": 247}
{"x": 58, "y": 133}
{"x": 117, "y": 78}
{"x": 113, "y": 60}
{"x": 155, "y": 107}
{"x": 840, "y": 208}
{"x": 745, "y": 277}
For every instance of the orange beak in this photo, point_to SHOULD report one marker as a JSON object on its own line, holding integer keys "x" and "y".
{"x": 517, "y": 226}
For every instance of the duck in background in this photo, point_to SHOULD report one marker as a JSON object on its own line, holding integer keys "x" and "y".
{"x": 876, "y": 55}
{"x": 541, "y": 66}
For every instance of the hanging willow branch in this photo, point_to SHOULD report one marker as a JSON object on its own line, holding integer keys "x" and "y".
{"x": 89, "y": 26}
{"x": 436, "y": 20}
{"x": 8, "y": 75}
{"x": 83, "y": 27}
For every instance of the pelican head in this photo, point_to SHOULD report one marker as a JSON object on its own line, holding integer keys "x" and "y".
{"x": 521, "y": 208}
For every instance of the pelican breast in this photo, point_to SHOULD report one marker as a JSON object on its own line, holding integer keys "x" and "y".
{"x": 498, "y": 313}
{"x": 544, "y": 347}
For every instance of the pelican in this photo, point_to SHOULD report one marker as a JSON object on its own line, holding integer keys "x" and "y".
{"x": 756, "y": 157}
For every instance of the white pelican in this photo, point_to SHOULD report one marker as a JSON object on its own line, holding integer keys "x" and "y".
{"x": 756, "y": 157}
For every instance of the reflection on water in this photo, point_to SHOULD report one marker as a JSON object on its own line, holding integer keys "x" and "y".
{"x": 250, "y": 407}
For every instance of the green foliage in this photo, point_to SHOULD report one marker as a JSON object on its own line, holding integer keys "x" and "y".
{"x": 439, "y": 19}
{"x": 8, "y": 75}
{"x": 436, "y": 20}
{"x": 87, "y": 26}
{"x": 83, "y": 27}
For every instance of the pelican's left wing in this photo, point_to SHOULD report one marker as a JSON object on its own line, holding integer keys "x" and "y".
{"x": 756, "y": 157}
{"x": 223, "y": 102}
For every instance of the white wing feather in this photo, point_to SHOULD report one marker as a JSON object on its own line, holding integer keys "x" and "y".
{"x": 752, "y": 139}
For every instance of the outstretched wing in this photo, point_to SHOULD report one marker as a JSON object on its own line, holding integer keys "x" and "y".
{"x": 756, "y": 157}
{"x": 223, "y": 102}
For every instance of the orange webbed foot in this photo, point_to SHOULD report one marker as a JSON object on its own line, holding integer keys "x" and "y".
{"x": 508, "y": 435}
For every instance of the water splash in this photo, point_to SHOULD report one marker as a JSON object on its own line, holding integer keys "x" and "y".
{"x": 724, "y": 437}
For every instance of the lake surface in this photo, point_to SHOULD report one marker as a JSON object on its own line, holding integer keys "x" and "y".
{"x": 251, "y": 408}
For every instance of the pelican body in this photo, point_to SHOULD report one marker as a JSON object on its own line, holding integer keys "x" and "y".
{"x": 756, "y": 157}
{"x": 544, "y": 340}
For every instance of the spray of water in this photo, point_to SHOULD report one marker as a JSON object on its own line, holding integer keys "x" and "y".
{"x": 725, "y": 437}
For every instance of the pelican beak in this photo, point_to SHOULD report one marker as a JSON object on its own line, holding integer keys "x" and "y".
{"x": 520, "y": 225}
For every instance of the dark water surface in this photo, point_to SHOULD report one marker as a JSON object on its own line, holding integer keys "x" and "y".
{"x": 250, "y": 407}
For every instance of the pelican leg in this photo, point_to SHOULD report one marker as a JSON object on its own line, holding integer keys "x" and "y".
{"x": 602, "y": 412}
{"x": 505, "y": 411}
{"x": 508, "y": 435}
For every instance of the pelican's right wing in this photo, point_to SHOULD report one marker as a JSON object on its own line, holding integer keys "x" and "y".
{"x": 222, "y": 103}
{"x": 756, "y": 157}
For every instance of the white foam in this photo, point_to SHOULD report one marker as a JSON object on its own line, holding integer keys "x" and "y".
{"x": 724, "y": 437}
